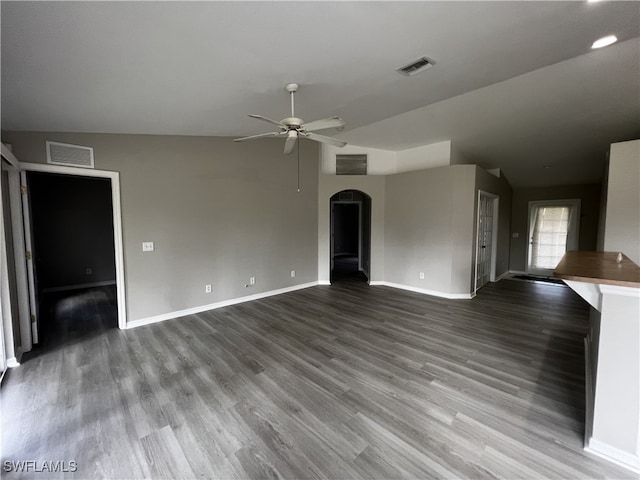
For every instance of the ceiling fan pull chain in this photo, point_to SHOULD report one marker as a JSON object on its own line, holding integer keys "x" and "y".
{"x": 298, "y": 162}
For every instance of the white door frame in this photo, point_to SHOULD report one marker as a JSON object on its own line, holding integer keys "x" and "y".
{"x": 573, "y": 236}
{"x": 10, "y": 355}
{"x": 19, "y": 262}
{"x": 494, "y": 236}
{"x": 117, "y": 221}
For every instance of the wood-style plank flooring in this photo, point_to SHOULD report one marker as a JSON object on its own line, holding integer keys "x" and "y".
{"x": 341, "y": 381}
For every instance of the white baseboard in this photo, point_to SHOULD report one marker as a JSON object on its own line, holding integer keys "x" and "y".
{"x": 452, "y": 296}
{"x": 613, "y": 454}
{"x": 324, "y": 282}
{"x": 13, "y": 362}
{"x": 212, "y": 306}
{"x": 502, "y": 276}
{"x": 78, "y": 286}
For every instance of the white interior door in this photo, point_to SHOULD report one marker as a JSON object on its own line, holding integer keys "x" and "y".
{"x": 17, "y": 264}
{"x": 485, "y": 242}
{"x": 553, "y": 230}
{"x": 31, "y": 273}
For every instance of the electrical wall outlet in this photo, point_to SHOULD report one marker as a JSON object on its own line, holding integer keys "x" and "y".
{"x": 147, "y": 246}
{"x": 421, "y": 275}
{"x": 207, "y": 288}
{"x": 252, "y": 280}
{"x": 293, "y": 273}
{"x": 88, "y": 271}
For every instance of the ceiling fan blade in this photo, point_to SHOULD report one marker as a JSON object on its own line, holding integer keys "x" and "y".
{"x": 323, "y": 139}
{"x": 290, "y": 143}
{"x": 330, "y": 122}
{"x": 261, "y": 135}
{"x": 268, "y": 120}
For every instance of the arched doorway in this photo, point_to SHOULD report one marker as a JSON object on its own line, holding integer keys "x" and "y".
{"x": 350, "y": 238}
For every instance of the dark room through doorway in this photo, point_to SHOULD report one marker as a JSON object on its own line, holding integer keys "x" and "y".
{"x": 74, "y": 256}
{"x": 350, "y": 249}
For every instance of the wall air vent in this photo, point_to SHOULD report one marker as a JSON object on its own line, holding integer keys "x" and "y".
{"x": 69, "y": 155}
{"x": 345, "y": 196}
{"x": 415, "y": 67}
{"x": 351, "y": 164}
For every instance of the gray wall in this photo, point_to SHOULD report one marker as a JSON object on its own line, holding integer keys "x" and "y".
{"x": 589, "y": 213}
{"x": 498, "y": 186}
{"x": 72, "y": 220}
{"x": 218, "y": 212}
{"x": 429, "y": 228}
{"x": 622, "y": 230}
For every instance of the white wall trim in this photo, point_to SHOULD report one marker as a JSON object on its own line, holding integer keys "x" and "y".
{"x": 452, "y": 296}
{"x": 212, "y": 306}
{"x": 12, "y": 362}
{"x": 517, "y": 272}
{"x": 79, "y": 286}
{"x": 502, "y": 276}
{"x": 619, "y": 290}
{"x": 19, "y": 262}
{"x": 613, "y": 454}
{"x": 9, "y": 156}
{"x": 324, "y": 282}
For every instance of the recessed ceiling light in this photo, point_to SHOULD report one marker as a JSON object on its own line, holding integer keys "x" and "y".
{"x": 605, "y": 41}
{"x": 593, "y": 1}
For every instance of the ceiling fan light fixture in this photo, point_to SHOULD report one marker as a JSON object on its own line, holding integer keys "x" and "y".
{"x": 604, "y": 41}
{"x": 293, "y": 127}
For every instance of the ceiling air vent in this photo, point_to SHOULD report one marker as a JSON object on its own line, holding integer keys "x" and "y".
{"x": 417, "y": 66}
{"x": 351, "y": 164}
{"x": 69, "y": 155}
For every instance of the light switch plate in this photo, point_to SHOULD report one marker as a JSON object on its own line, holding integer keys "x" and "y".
{"x": 147, "y": 246}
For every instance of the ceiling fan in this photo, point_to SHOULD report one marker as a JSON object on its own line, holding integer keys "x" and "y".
{"x": 292, "y": 128}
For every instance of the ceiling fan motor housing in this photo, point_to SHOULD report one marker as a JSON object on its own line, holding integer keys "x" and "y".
{"x": 292, "y": 122}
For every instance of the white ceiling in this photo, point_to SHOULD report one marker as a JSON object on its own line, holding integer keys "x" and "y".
{"x": 515, "y": 85}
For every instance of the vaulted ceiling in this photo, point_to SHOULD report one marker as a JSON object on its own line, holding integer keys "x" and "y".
{"x": 515, "y": 85}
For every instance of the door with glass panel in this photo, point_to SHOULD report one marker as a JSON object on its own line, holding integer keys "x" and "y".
{"x": 553, "y": 230}
{"x": 485, "y": 242}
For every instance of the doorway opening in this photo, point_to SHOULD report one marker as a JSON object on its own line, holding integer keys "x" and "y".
{"x": 486, "y": 245}
{"x": 73, "y": 251}
{"x": 350, "y": 239}
{"x": 553, "y": 230}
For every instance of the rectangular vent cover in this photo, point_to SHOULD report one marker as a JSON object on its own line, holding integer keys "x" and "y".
{"x": 345, "y": 196}
{"x": 351, "y": 164}
{"x": 69, "y": 155}
{"x": 417, "y": 66}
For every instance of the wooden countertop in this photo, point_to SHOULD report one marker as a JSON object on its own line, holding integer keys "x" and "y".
{"x": 598, "y": 267}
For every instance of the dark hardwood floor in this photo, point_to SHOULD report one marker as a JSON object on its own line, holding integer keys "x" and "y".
{"x": 345, "y": 269}
{"x": 341, "y": 381}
